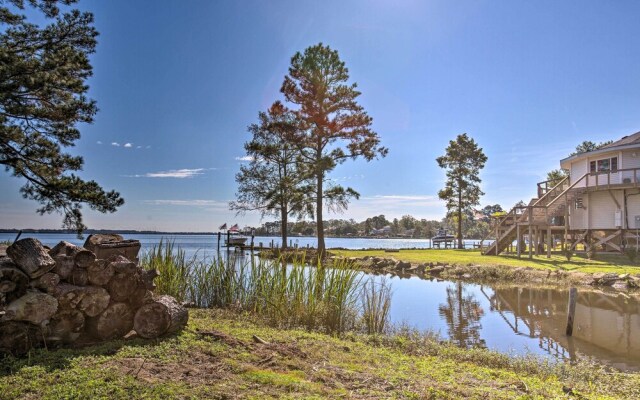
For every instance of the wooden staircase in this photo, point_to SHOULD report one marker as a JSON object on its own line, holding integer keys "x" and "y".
{"x": 538, "y": 213}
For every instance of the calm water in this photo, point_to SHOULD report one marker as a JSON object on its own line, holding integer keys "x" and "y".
{"x": 207, "y": 244}
{"x": 509, "y": 319}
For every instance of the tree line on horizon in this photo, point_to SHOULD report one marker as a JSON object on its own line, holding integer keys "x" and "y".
{"x": 476, "y": 224}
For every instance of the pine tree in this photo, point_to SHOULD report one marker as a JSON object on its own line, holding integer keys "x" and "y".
{"x": 463, "y": 161}
{"x": 334, "y": 126}
{"x": 271, "y": 182}
{"x": 43, "y": 70}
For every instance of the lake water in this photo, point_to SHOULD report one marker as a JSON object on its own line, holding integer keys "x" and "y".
{"x": 509, "y": 319}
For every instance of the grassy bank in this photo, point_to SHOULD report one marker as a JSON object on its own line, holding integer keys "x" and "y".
{"x": 215, "y": 357}
{"x": 606, "y": 263}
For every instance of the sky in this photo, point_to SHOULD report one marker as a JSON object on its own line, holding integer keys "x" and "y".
{"x": 178, "y": 82}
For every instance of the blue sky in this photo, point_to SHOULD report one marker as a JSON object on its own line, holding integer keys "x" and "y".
{"x": 177, "y": 83}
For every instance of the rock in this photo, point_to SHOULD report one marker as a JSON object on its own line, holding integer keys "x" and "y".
{"x": 436, "y": 270}
{"x": 403, "y": 265}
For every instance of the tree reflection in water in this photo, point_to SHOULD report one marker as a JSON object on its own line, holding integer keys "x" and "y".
{"x": 462, "y": 312}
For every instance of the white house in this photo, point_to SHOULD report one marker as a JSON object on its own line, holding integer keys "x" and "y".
{"x": 607, "y": 179}
{"x": 597, "y": 205}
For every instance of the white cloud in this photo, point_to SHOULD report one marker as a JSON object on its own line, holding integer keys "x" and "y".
{"x": 173, "y": 173}
{"x": 128, "y": 145}
{"x": 245, "y": 158}
{"x": 148, "y": 147}
{"x": 214, "y": 206}
{"x": 98, "y": 142}
{"x": 138, "y": 147}
{"x": 396, "y": 205}
{"x": 191, "y": 203}
{"x": 115, "y": 144}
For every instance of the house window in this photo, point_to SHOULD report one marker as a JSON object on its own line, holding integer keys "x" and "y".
{"x": 579, "y": 203}
{"x": 604, "y": 165}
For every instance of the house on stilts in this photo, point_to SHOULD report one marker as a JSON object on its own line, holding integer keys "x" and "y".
{"x": 596, "y": 207}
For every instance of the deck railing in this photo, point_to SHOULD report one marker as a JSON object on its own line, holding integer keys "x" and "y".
{"x": 546, "y": 186}
{"x": 623, "y": 176}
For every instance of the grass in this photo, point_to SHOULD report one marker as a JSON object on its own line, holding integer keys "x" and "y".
{"x": 215, "y": 357}
{"x": 323, "y": 297}
{"x": 614, "y": 263}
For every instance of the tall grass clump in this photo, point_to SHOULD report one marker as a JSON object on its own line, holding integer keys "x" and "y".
{"x": 376, "y": 303}
{"x": 296, "y": 295}
{"x": 174, "y": 268}
{"x": 283, "y": 293}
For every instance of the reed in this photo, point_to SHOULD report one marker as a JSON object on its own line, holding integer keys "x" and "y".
{"x": 376, "y": 303}
{"x": 174, "y": 268}
{"x": 283, "y": 294}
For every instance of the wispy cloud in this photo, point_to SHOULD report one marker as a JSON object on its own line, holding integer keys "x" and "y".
{"x": 98, "y": 142}
{"x": 191, "y": 203}
{"x": 207, "y": 205}
{"x": 116, "y": 144}
{"x": 245, "y": 158}
{"x": 173, "y": 173}
{"x": 397, "y": 205}
{"x": 128, "y": 145}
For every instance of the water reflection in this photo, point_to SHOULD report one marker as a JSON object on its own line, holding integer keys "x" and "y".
{"x": 607, "y": 324}
{"x": 462, "y": 313}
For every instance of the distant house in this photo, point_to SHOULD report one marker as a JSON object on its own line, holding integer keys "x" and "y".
{"x": 384, "y": 231}
{"x": 597, "y": 205}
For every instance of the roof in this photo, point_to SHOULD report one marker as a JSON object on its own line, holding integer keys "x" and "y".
{"x": 629, "y": 141}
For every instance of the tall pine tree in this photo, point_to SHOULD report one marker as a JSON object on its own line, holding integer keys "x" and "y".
{"x": 334, "y": 127}
{"x": 463, "y": 161}
{"x": 43, "y": 70}
{"x": 271, "y": 182}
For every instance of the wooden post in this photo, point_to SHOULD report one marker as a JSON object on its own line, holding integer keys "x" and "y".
{"x": 219, "y": 238}
{"x": 518, "y": 240}
{"x": 497, "y": 239}
{"x": 549, "y": 241}
{"x": 252, "y": 237}
{"x": 530, "y": 233}
{"x": 571, "y": 310}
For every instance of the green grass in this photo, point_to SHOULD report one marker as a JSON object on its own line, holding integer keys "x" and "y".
{"x": 323, "y": 298}
{"x": 295, "y": 364}
{"x": 615, "y": 263}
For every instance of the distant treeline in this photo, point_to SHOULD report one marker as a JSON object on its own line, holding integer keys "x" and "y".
{"x": 474, "y": 226}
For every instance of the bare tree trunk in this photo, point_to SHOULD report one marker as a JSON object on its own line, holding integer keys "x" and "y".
{"x": 13, "y": 282}
{"x": 162, "y": 316}
{"x": 31, "y": 256}
{"x": 460, "y": 218}
{"x": 283, "y": 225}
{"x": 34, "y": 307}
{"x": 17, "y": 338}
{"x": 116, "y": 321}
{"x": 81, "y": 256}
{"x": 65, "y": 326}
{"x": 319, "y": 224}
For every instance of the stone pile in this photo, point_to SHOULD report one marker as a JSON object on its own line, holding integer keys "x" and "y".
{"x": 68, "y": 293}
